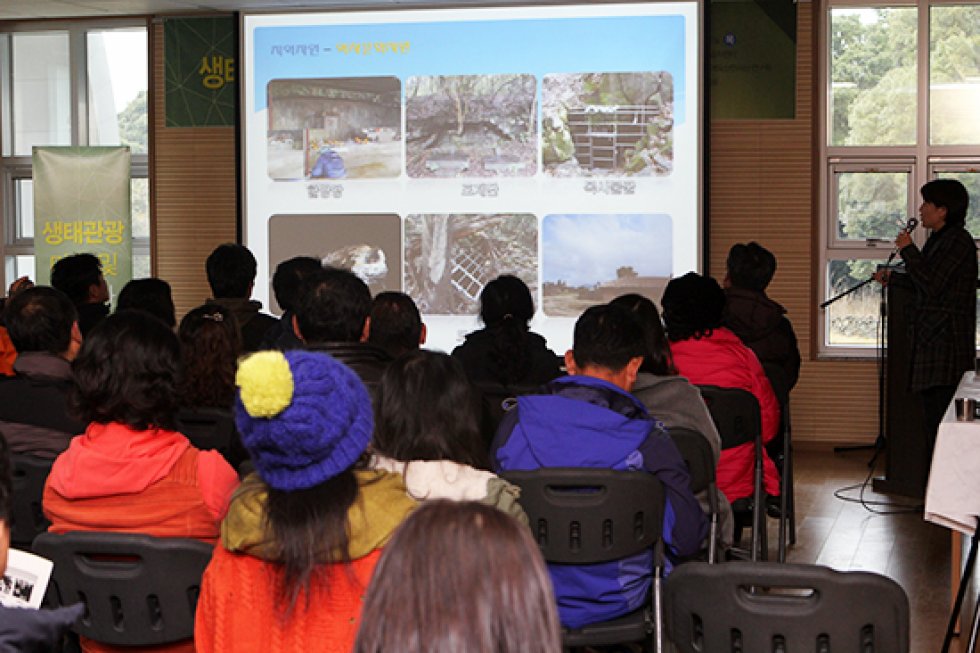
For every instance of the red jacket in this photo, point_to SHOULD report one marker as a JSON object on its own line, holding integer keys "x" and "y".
{"x": 722, "y": 360}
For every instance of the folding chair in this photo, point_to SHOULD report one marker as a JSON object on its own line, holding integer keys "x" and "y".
{"x": 495, "y": 400}
{"x": 138, "y": 590}
{"x": 737, "y": 417}
{"x": 586, "y": 516}
{"x": 769, "y": 608}
{"x": 787, "y": 497}
{"x": 212, "y": 428}
{"x": 699, "y": 458}
{"x": 27, "y": 518}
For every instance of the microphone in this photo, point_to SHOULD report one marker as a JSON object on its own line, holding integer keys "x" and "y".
{"x": 911, "y": 224}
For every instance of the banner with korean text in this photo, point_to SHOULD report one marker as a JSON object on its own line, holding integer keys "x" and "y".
{"x": 82, "y": 204}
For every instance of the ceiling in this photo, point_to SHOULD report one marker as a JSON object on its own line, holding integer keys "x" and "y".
{"x": 30, "y": 9}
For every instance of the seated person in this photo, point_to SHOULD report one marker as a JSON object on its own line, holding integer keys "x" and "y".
{"x": 80, "y": 277}
{"x": 8, "y": 353}
{"x": 589, "y": 419}
{"x": 34, "y": 411}
{"x": 150, "y": 295}
{"x": 493, "y": 594}
{"x": 286, "y": 283}
{"x": 304, "y": 532}
{"x": 231, "y": 270}
{"x": 396, "y": 325}
{"x": 438, "y": 449}
{"x": 131, "y": 472}
{"x": 709, "y": 354}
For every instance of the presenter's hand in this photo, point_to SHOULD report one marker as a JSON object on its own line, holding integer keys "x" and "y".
{"x": 23, "y": 283}
{"x": 881, "y": 276}
{"x": 903, "y": 240}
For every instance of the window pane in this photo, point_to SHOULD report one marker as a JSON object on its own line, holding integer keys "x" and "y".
{"x": 954, "y": 75}
{"x": 139, "y": 198}
{"x": 24, "y": 208}
{"x": 41, "y": 88}
{"x": 141, "y": 265}
{"x": 853, "y": 320}
{"x": 873, "y": 86}
{"x": 972, "y": 182}
{"x": 18, "y": 266}
{"x": 117, "y": 76}
{"x": 871, "y": 204}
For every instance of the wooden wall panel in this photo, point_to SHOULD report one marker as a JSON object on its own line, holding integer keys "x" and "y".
{"x": 194, "y": 194}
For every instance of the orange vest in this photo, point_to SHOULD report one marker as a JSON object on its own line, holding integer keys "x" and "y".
{"x": 7, "y": 353}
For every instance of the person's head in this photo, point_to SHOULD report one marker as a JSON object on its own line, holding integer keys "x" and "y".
{"x": 209, "y": 348}
{"x": 288, "y": 278}
{"x": 750, "y": 266}
{"x": 427, "y": 410}
{"x": 42, "y": 319}
{"x": 305, "y": 419}
{"x": 693, "y": 307}
{"x": 334, "y": 306}
{"x": 658, "y": 359}
{"x": 396, "y": 325}
{"x": 231, "y": 271}
{"x": 949, "y": 200}
{"x": 126, "y": 372}
{"x": 151, "y": 296}
{"x": 80, "y": 277}
{"x": 460, "y": 576}
{"x": 506, "y": 298}
{"x": 6, "y": 498}
{"x": 609, "y": 344}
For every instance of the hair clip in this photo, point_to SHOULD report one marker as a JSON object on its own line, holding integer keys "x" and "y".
{"x": 214, "y": 317}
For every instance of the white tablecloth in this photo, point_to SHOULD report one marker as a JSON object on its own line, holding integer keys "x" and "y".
{"x": 953, "y": 492}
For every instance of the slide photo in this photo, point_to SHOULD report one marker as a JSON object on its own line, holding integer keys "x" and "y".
{"x": 369, "y": 244}
{"x": 342, "y": 128}
{"x": 607, "y": 124}
{"x": 591, "y": 259}
{"x": 450, "y": 258}
{"x": 471, "y": 126}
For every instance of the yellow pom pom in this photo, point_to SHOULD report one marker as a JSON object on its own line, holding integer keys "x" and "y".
{"x": 266, "y": 383}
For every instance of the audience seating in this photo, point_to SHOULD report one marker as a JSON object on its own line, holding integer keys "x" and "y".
{"x": 212, "y": 428}
{"x": 782, "y": 455}
{"x": 737, "y": 417}
{"x": 138, "y": 590}
{"x": 27, "y": 518}
{"x": 587, "y": 516}
{"x": 699, "y": 458}
{"x": 496, "y": 399}
{"x": 765, "y": 607}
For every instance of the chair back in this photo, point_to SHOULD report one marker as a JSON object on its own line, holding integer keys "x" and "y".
{"x": 27, "y": 518}
{"x": 698, "y": 456}
{"x": 138, "y": 590}
{"x": 735, "y": 412}
{"x": 585, "y": 516}
{"x": 757, "y": 606}
{"x": 207, "y": 428}
{"x": 496, "y": 399}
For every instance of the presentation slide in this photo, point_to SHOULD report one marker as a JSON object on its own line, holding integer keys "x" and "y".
{"x": 430, "y": 151}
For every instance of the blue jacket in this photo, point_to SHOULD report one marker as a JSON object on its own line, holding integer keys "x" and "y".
{"x": 587, "y": 422}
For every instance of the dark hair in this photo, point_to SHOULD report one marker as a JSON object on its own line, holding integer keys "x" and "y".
{"x": 658, "y": 359}
{"x": 949, "y": 194}
{"x": 150, "y": 295}
{"x": 309, "y": 528}
{"x": 74, "y": 275}
{"x": 396, "y": 325}
{"x": 460, "y": 576}
{"x": 288, "y": 278}
{"x": 693, "y": 307}
{"x": 40, "y": 319}
{"x": 607, "y": 336}
{"x": 126, "y": 371}
{"x": 6, "y": 483}
{"x": 231, "y": 271}
{"x": 210, "y": 344}
{"x": 506, "y": 307}
{"x": 750, "y": 266}
{"x": 427, "y": 410}
{"x": 333, "y": 306}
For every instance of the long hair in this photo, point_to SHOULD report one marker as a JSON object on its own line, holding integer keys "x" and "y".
{"x": 427, "y": 410}
{"x": 658, "y": 360}
{"x": 460, "y": 577}
{"x": 506, "y": 307}
{"x": 126, "y": 371}
{"x": 210, "y": 344}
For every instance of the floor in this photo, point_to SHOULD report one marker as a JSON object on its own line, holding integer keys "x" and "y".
{"x": 847, "y": 536}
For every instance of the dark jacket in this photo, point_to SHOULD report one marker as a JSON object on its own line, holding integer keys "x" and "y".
{"x": 281, "y": 335}
{"x": 90, "y": 315}
{"x": 251, "y": 323}
{"x": 34, "y": 406}
{"x": 943, "y": 329}
{"x": 25, "y": 629}
{"x": 477, "y": 356}
{"x": 761, "y": 324}
{"x": 368, "y": 361}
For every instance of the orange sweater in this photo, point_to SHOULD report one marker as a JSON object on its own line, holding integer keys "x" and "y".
{"x": 239, "y": 609}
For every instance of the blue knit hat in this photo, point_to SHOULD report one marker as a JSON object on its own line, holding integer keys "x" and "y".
{"x": 303, "y": 416}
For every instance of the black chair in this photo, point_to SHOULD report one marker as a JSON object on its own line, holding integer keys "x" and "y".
{"x": 762, "y": 607}
{"x": 213, "y": 428}
{"x": 699, "y": 458}
{"x": 782, "y": 455}
{"x": 587, "y": 516}
{"x": 496, "y": 399}
{"x": 138, "y": 590}
{"x": 738, "y": 418}
{"x": 27, "y": 518}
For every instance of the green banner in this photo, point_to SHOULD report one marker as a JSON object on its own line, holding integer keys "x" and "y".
{"x": 82, "y": 204}
{"x": 201, "y": 70}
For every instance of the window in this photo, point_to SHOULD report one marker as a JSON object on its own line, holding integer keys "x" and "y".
{"x": 78, "y": 84}
{"x": 901, "y": 90}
